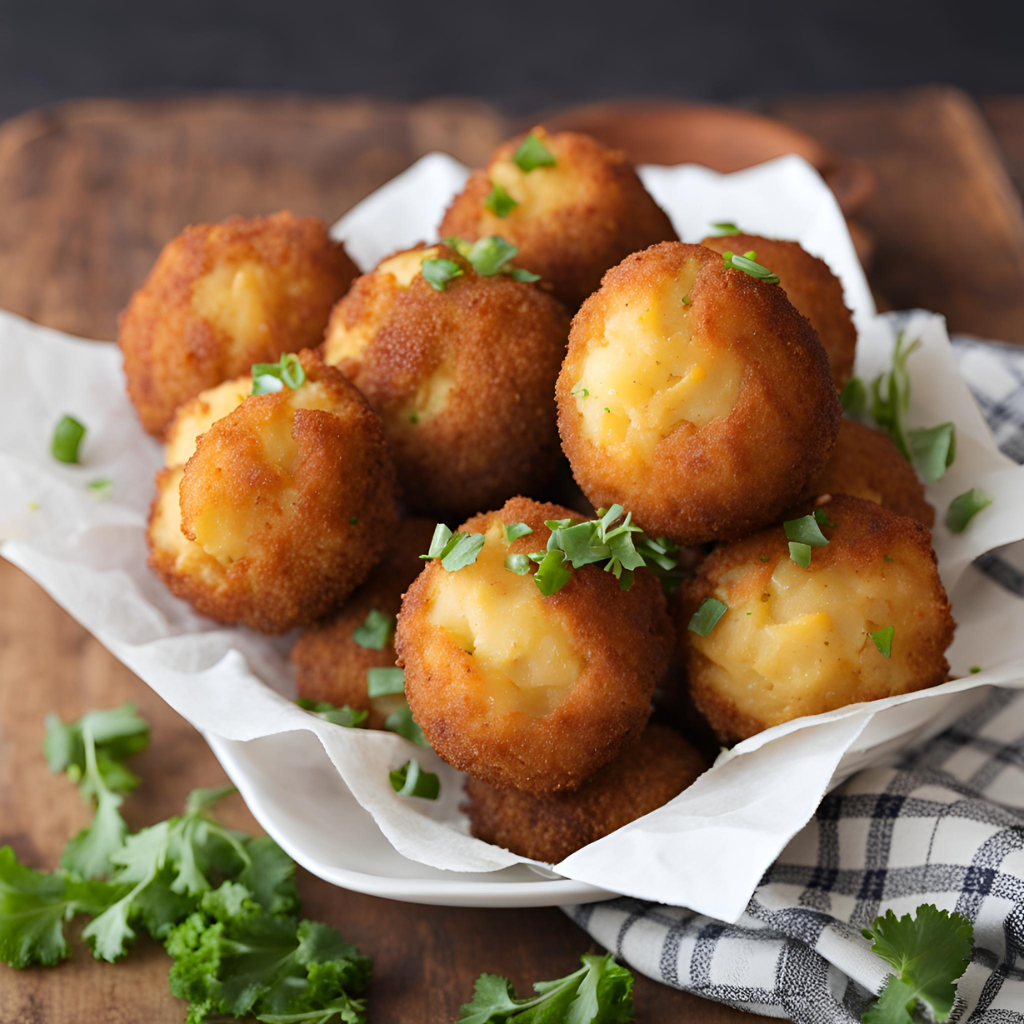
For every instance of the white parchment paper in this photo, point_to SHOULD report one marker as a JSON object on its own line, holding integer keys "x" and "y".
{"x": 708, "y": 848}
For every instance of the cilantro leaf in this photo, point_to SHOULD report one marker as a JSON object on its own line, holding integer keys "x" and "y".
{"x": 600, "y": 992}
{"x": 376, "y": 631}
{"x": 930, "y": 951}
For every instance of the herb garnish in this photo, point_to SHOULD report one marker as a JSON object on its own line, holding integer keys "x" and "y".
{"x": 268, "y": 378}
{"x": 532, "y": 153}
{"x": 964, "y": 507}
{"x": 513, "y": 531}
{"x": 854, "y": 397}
{"x": 490, "y": 256}
{"x": 376, "y": 631}
{"x": 706, "y": 617}
{"x": 101, "y": 489}
{"x": 803, "y": 534}
{"x": 883, "y": 640}
{"x": 67, "y": 436}
{"x": 499, "y": 202}
{"x": 932, "y": 450}
{"x": 412, "y": 780}
{"x": 456, "y": 550}
{"x": 350, "y": 718}
{"x": 401, "y": 722}
{"x": 748, "y": 266}
{"x": 437, "y": 272}
{"x": 382, "y": 682}
{"x": 725, "y": 227}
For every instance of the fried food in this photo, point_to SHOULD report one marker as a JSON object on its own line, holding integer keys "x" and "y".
{"x": 868, "y": 618}
{"x": 706, "y": 417}
{"x": 811, "y": 286}
{"x": 462, "y": 378}
{"x": 572, "y": 219}
{"x": 282, "y": 509}
{"x": 521, "y": 690}
{"x": 222, "y": 297}
{"x": 867, "y": 464}
{"x": 330, "y": 665}
{"x": 550, "y": 826}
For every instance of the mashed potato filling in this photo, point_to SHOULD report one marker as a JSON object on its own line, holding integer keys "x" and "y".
{"x": 525, "y": 656}
{"x": 431, "y": 397}
{"x": 196, "y": 418}
{"x": 651, "y": 373}
{"x": 166, "y": 535}
{"x": 230, "y": 296}
{"x": 795, "y": 642}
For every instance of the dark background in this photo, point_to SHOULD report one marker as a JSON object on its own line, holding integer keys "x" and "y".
{"x": 523, "y": 55}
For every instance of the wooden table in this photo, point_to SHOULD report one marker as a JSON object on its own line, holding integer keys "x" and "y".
{"x": 90, "y": 191}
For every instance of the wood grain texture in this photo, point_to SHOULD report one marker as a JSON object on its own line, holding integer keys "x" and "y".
{"x": 90, "y": 191}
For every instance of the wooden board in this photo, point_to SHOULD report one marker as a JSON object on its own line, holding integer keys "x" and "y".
{"x": 90, "y": 191}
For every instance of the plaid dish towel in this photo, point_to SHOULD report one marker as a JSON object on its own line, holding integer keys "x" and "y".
{"x": 945, "y": 825}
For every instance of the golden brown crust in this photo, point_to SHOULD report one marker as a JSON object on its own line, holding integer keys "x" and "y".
{"x": 867, "y": 464}
{"x": 623, "y": 639}
{"x": 609, "y": 215}
{"x": 737, "y": 472}
{"x": 812, "y": 287}
{"x": 876, "y": 562}
{"x": 171, "y": 352}
{"x": 497, "y": 343}
{"x": 550, "y": 826}
{"x": 329, "y": 665}
{"x": 318, "y": 525}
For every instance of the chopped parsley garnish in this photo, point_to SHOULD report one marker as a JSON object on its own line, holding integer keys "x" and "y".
{"x": 412, "y": 780}
{"x": 532, "y": 153}
{"x": 552, "y": 574}
{"x": 854, "y": 397}
{"x": 930, "y": 952}
{"x": 401, "y": 722}
{"x": 67, "y": 436}
{"x": 102, "y": 488}
{"x": 456, "y": 550}
{"x": 376, "y": 631}
{"x": 490, "y": 256}
{"x": 686, "y": 300}
{"x": 964, "y": 507}
{"x": 437, "y": 272}
{"x": 748, "y": 266}
{"x": 513, "y": 531}
{"x": 499, "y": 202}
{"x": 382, "y": 682}
{"x": 800, "y": 553}
{"x": 268, "y": 378}
{"x": 519, "y": 564}
{"x": 821, "y": 517}
{"x": 932, "y": 450}
{"x": 706, "y": 617}
{"x": 975, "y": 669}
{"x": 806, "y": 530}
{"x": 351, "y": 718}
{"x": 725, "y": 227}
{"x": 600, "y": 992}
{"x": 883, "y": 640}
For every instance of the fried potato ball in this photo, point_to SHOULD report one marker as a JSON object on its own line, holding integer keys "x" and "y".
{"x": 571, "y": 219}
{"x": 694, "y": 395}
{"x": 550, "y": 826}
{"x": 282, "y": 509}
{"x": 521, "y": 690}
{"x": 462, "y": 378}
{"x": 867, "y": 464}
{"x": 222, "y": 297}
{"x": 868, "y": 618}
{"x": 330, "y": 665}
{"x": 811, "y": 286}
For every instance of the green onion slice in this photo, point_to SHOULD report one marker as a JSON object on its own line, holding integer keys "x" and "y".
{"x": 805, "y": 530}
{"x": 532, "y": 153}
{"x": 499, "y": 202}
{"x": 706, "y": 617}
{"x": 268, "y": 378}
{"x": 376, "y": 631}
{"x": 437, "y": 272}
{"x": 513, "y": 531}
{"x": 800, "y": 553}
{"x": 412, "y": 780}
{"x": 964, "y": 507}
{"x": 382, "y": 682}
{"x": 747, "y": 264}
{"x": 725, "y": 227}
{"x": 67, "y": 436}
{"x": 883, "y": 640}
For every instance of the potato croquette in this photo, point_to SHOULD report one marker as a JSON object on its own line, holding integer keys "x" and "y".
{"x": 462, "y": 378}
{"x": 572, "y": 218}
{"x": 812, "y": 287}
{"x": 867, "y": 464}
{"x": 521, "y": 690}
{"x": 550, "y": 826}
{"x": 694, "y": 395}
{"x": 867, "y": 619}
{"x": 282, "y": 509}
{"x": 329, "y": 664}
{"x": 222, "y": 297}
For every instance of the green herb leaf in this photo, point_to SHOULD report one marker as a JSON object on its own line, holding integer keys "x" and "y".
{"x": 513, "y": 531}
{"x": 380, "y": 682}
{"x": 351, "y": 718}
{"x": 821, "y": 517}
{"x": 524, "y": 275}
{"x": 964, "y": 507}
{"x": 747, "y": 264}
{"x": 438, "y": 542}
{"x": 101, "y": 489}
{"x": 725, "y": 227}
{"x": 600, "y": 992}
{"x": 489, "y": 256}
{"x": 932, "y": 450}
{"x": 412, "y": 780}
{"x": 686, "y": 300}
{"x": 519, "y": 564}
{"x": 268, "y": 378}
{"x": 805, "y": 530}
{"x": 439, "y": 271}
{"x": 854, "y": 397}
{"x": 706, "y": 617}
{"x": 461, "y": 550}
{"x": 800, "y": 553}
{"x": 930, "y": 951}
{"x": 890, "y": 394}
{"x": 499, "y": 202}
{"x": 375, "y": 633}
{"x": 532, "y": 153}
{"x": 883, "y": 640}
{"x": 552, "y": 573}
{"x": 67, "y": 436}
{"x": 402, "y": 724}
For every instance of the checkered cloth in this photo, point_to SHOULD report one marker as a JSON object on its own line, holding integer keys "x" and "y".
{"x": 945, "y": 825}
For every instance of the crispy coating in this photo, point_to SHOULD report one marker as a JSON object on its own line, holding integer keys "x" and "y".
{"x": 795, "y": 641}
{"x": 329, "y": 665}
{"x": 525, "y": 691}
{"x": 462, "y": 378}
{"x": 282, "y": 510}
{"x": 550, "y": 826}
{"x": 222, "y": 297}
{"x": 812, "y": 287}
{"x": 705, "y": 418}
{"x": 574, "y": 220}
{"x": 867, "y": 464}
